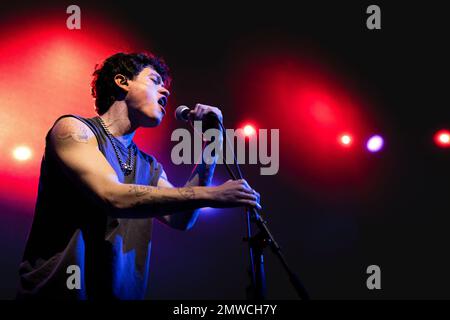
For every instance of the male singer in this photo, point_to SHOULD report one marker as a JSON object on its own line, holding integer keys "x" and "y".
{"x": 98, "y": 193}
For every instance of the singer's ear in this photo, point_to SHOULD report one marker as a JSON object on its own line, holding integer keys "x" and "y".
{"x": 121, "y": 81}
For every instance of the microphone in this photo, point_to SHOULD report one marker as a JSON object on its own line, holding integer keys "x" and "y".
{"x": 182, "y": 114}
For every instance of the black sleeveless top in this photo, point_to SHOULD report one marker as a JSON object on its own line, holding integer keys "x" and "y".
{"x": 71, "y": 229}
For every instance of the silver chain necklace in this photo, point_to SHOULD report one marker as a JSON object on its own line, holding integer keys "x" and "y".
{"x": 127, "y": 168}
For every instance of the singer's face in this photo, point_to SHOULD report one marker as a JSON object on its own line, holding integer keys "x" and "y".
{"x": 147, "y": 98}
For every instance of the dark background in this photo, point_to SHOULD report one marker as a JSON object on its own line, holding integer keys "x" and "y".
{"x": 329, "y": 236}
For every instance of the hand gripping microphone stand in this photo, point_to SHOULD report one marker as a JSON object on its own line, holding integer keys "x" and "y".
{"x": 257, "y": 243}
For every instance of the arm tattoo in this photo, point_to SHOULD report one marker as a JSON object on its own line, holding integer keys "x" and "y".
{"x": 140, "y": 191}
{"x": 187, "y": 193}
{"x": 146, "y": 195}
{"x": 68, "y": 132}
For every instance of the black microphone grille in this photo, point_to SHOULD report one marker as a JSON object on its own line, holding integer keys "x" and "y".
{"x": 181, "y": 113}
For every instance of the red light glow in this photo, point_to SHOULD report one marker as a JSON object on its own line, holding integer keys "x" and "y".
{"x": 346, "y": 140}
{"x": 249, "y": 130}
{"x": 442, "y": 138}
{"x": 22, "y": 153}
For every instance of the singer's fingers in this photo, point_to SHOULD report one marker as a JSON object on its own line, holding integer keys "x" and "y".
{"x": 247, "y": 196}
{"x": 199, "y": 105}
{"x": 252, "y": 204}
{"x": 197, "y": 112}
{"x": 201, "y": 112}
{"x": 193, "y": 115}
{"x": 246, "y": 190}
{"x": 258, "y": 197}
{"x": 243, "y": 181}
{"x": 197, "y": 109}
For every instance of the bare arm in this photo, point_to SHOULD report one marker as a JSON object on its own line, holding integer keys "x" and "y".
{"x": 75, "y": 146}
{"x": 185, "y": 219}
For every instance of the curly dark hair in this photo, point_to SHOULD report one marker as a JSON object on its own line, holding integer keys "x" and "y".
{"x": 103, "y": 88}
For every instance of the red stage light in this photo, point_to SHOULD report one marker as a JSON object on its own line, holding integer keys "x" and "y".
{"x": 22, "y": 153}
{"x": 249, "y": 130}
{"x": 442, "y": 138}
{"x": 346, "y": 140}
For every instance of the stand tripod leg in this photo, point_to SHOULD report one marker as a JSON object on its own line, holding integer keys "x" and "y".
{"x": 257, "y": 290}
{"x": 260, "y": 285}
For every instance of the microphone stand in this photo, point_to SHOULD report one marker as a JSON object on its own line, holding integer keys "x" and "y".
{"x": 257, "y": 242}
